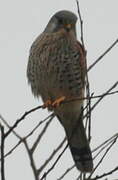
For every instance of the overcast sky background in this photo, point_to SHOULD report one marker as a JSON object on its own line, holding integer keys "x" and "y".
{"x": 20, "y": 23}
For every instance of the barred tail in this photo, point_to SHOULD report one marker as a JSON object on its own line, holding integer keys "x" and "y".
{"x": 80, "y": 149}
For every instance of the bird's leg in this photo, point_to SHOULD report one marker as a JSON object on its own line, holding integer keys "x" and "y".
{"x": 58, "y": 101}
{"x": 54, "y": 104}
{"x": 48, "y": 103}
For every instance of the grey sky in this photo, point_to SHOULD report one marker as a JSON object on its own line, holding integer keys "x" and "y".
{"x": 20, "y": 23}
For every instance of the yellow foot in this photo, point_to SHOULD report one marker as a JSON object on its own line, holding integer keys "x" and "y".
{"x": 48, "y": 103}
{"x": 58, "y": 101}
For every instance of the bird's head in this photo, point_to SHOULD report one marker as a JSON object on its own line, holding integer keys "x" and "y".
{"x": 65, "y": 20}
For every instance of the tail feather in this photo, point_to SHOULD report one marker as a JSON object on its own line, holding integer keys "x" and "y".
{"x": 82, "y": 158}
{"x": 80, "y": 149}
{"x": 77, "y": 139}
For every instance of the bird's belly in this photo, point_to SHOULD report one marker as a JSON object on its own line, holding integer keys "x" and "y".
{"x": 69, "y": 112}
{"x": 61, "y": 84}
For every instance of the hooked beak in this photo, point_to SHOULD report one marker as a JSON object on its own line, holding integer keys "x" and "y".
{"x": 68, "y": 27}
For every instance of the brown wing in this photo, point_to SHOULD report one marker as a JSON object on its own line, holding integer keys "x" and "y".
{"x": 82, "y": 60}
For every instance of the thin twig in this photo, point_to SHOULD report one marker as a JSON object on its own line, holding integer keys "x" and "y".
{"x": 8, "y": 126}
{"x": 31, "y": 160}
{"x": 106, "y": 174}
{"x": 88, "y": 109}
{"x": 106, "y": 152}
{"x": 92, "y": 97}
{"x": 104, "y": 147}
{"x": 12, "y": 149}
{"x": 2, "y": 152}
{"x": 81, "y": 23}
{"x": 52, "y": 167}
{"x": 27, "y": 136}
{"x": 40, "y": 123}
{"x": 101, "y": 56}
{"x": 41, "y": 134}
{"x": 51, "y": 156}
{"x": 106, "y": 141}
{"x": 66, "y": 172}
{"x": 19, "y": 120}
{"x": 80, "y": 177}
{"x": 108, "y": 91}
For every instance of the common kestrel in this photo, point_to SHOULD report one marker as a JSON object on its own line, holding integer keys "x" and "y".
{"x": 56, "y": 72}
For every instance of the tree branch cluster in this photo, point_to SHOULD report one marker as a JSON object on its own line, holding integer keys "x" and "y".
{"x": 39, "y": 172}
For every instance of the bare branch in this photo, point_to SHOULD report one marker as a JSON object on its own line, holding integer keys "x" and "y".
{"x": 31, "y": 160}
{"x": 106, "y": 174}
{"x": 7, "y": 125}
{"x": 88, "y": 107}
{"x": 105, "y": 142}
{"x": 106, "y": 152}
{"x": 92, "y": 97}
{"x": 41, "y": 134}
{"x": 11, "y": 151}
{"x": 66, "y": 172}
{"x": 81, "y": 23}
{"x": 2, "y": 152}
{"x": 108, "y": 91}
{"x": 36, "y": 127}
{"x": 19, "y": 120}
{"x": 106, "y": 145}
{"x": 51, "y": 156}
{"x": 101, "y": 56}
{"x": 52, "y": 167}
{"x": 27, "y": 136}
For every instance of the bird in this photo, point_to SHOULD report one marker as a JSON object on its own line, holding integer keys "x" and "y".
{"x": 56, "y": 72}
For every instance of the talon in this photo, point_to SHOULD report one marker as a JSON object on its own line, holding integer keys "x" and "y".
{"x": 58, "y": 101}
{"x": 48, "y": 103}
